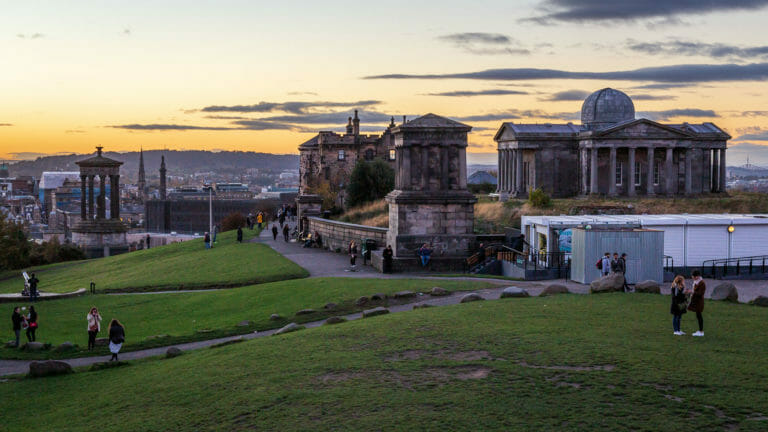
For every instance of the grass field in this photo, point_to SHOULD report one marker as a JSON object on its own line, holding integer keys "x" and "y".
{"x": 186, "y": 265}
{"x": 182, "y": 316}
{"x": 570, "y": 363}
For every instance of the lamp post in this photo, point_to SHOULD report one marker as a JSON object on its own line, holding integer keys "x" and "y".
{"x": 210, "y": 212}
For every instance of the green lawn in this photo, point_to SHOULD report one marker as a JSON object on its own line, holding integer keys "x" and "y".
{"x": 181, "y": 316}
{"x": 186, "y": 265}
{"x": 566, "y": 363}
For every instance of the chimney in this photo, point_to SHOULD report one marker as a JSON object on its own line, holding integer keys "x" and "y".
{"x": 404, "y": 120}
{"x": 349, "y": 126}
{"x": 356, "y": 124}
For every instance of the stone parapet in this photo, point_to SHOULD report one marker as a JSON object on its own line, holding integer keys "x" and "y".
{"x": 337, "y": 235}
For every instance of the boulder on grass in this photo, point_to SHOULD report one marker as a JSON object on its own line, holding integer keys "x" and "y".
{"x": 306, "y": 312}
{"x": 330, "y": 306}
{"x": 39, "y": 369}
{"x": 378, "y": 296}
{"x": 760, "y": 301}
{"x": 404, "y": 294}
{"x": 471, "y": 297}
{"x": 362, "y": 301}
{"x": 102, "y": 341}
{"x": 375, "y": 311}
{"x": 610, "y": 283}
{"x": 335, "y": 320}
{"x": 554, "y": 289}
{"x": 172, "y": 352}
{"x": 66, "y": 346}
{"x": 725, "y": 291}
{"x": 245, "y": 323}
{"x": 513, "y": 291}
{"x": 33, "y": 346}
{"x": 275, "y": 317}
{"x": 292, "y": 327}
{"x": 438, "y": 292}
{"x": 648, "y": 286}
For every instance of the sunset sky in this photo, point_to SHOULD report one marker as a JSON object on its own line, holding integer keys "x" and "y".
{"x": 263, "y": 75}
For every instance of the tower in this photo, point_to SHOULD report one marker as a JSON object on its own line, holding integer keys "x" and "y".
{"x": 142, "y": 183}
{"x": 162, "y": 178}
{"x": 356, "y": 125}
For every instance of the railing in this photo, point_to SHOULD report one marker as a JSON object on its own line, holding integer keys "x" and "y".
{"x": 479, "y": 258}
{"x": 538, "y": 260}
{"x": 720, "y": 268}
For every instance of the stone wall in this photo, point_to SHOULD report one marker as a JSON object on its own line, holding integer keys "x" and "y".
{"x": 337, "y": 235}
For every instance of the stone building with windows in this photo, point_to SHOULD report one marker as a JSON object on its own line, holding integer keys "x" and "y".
{"x": 330, "y": 157}
{"x": 611, "y": 153}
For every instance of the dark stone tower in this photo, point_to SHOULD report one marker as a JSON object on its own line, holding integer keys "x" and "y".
{"x": 142, "y": 183}
{"x": 162, "y": 179}
{"x": 356, "y": 125}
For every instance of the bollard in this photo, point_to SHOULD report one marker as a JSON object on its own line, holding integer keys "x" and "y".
{"x": 93, "y": 288}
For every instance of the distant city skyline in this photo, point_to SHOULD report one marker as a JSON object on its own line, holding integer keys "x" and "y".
{"x": 254, "y": 76}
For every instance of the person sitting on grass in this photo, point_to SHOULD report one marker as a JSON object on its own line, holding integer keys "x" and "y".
{"x": 425, "y": 253}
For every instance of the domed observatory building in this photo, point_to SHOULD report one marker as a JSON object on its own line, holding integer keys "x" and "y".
{"x": 611, "y": 153}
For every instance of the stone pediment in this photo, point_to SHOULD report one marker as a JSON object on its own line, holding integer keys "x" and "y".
{"x": 642, "y": 129}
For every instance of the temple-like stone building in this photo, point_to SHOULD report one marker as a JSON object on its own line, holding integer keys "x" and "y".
{"x": 330, "y": 157}
{"x": 611, "y": 153}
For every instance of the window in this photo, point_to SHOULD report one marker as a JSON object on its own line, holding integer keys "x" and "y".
{"x": 369, "y": 155}
{"x": 638, "y": 173}
{"x": 392, "y": 154}
{"x": 341, "y": 154}
{"x": 619, "y": 173}
{"x": 656, "y": 172}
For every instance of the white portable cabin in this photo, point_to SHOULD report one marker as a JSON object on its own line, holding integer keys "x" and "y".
{"x": 690, "y": 239}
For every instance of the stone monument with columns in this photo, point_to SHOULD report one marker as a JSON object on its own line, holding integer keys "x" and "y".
{"x": 431, "y": 203}
{"x": 100, "y": 234}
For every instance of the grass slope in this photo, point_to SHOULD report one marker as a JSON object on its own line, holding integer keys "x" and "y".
{"x": 567, "y": 363}
{"x": 186, "y": 265}
{"x": 182, "y": 316}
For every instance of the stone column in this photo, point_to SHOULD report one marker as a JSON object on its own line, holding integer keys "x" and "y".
{"x": 83, "y": 211}
{"x": 115, "y": 210}
{"x": 505, "y": 174}
{"x": 631, "y": 172}
{"x": 650, "y": 190}
{"x": 593, "y": 171}
{"x": 499, "y": 171}
{"x": 612, "y": 176}
{"x": 723, "y": 171}
{"x": 668, "y": 184}
{"x": 102, "y": 214}
{"x": 519, "y": 172}
{"x": 584, "y": 171}
{"x": 715, "y": 170}
{"x": 91, "y": 211}
{"x": 462, "y": 169}
{"x": 688, "y": 167}
{"x": 512, "y": 171}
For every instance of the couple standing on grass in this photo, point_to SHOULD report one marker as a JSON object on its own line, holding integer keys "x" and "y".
{"x": 680, "y": 303}
{"x": 28, "y": 322}
{"x": 116, "y": 333}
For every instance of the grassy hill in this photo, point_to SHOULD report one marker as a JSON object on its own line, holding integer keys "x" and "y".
{"x": 186, "y": 265}
{"x": 566, "y": 363}
{"x": 185, "y": 317}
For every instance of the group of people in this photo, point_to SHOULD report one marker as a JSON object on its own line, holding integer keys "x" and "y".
{"x": 252, "y": 220}
{"x": 312, "y": 240}
{"x": 26, "y": 322}
{"x": 617, "y": 264}
{"x": 687, "y": 299}
{"x": 116, "y": 333}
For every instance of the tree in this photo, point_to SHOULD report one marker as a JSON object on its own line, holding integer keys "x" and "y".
{"x": 233, "y": 221}
{"x": 369, "y": 181}
{"x": 14, "y": 245}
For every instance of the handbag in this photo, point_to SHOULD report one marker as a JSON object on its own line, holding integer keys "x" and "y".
{"x": 33, "y": 325}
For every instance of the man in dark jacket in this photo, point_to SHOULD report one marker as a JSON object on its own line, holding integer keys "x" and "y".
{"x": 274, "y": 232}
{"x": 286, "y": 232}
{"x": 16, "y": 319}
{"x": 33, "y": 281}
{"x": 239, "y": 234}
{"x": 387, "y": 254}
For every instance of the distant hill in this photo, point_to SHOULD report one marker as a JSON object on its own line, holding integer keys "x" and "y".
{"x": 177, "y": 162}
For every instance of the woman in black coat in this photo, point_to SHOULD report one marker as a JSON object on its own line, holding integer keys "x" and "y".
{"x": 679, "y": 303}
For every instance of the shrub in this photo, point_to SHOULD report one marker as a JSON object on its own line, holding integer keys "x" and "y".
{"x": 482, "y": 188}
{"x": 232, "y": 222}
{"x": 538, "y": 198}
{"x": 369, "y": 181}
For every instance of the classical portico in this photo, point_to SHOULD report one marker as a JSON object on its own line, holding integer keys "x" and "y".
{"x": 99, "y": 233}
{"x": 611, "y": 154}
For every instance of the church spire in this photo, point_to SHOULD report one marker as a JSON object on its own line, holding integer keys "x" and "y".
{"x": 162, "y": 178}
{"x": 142, "y": 183}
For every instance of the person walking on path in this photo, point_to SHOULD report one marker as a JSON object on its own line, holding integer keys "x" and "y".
{"x": 679, "y": 304}
{"x": 239, "y": 234}
{"x": 425, "y": 253}
{"x": 286, "y": 232}
{"x": 94, "y": 326}
{"x": 31, "y": 324}
{"x": 260, "y": 219}
{"x": 606, "y": 264}
{"x": 282, "y": 218}
{"x": 274, "y": 232}
{"x": 16, "y": 320}
{"x": 33, "y": 281}
{"x": 207, "y": 240}
{"x": 116, "y": 338}
{"x": 352, "y": 255}
{"x": 697, "y": 300}
{"x": 388, "y": 253}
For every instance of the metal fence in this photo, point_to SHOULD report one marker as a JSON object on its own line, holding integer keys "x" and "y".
{"x": 733, "y": 267}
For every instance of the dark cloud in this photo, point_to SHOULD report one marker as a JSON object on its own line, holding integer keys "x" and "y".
{"x": 222, "y": 117}
{"x": 469, "y": 93}
{"x": 514, "y": 114}
{"x": 673, "y": 113}
{"x": 484, "y": 43}
{"x": 649, "y": 97}
{"x": 5, "y": 124}
{"x": 754, "y": 113}
{"x": 567, "y": 95}
{"x": 30, "y": 36}
{"x": 663, "y": 86}
{"x": 666, "y": 10}
{"x": 258, "y": 124}
{"x": 668, "y": 74}
{"x": 33, "y": 155}
{"x": 165, "y": 127}
{"x": 756, "y": 134}
{"x": 690, "y": 48}
{"x": 290, "y": 107}
{"x": 330, "y": 118}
